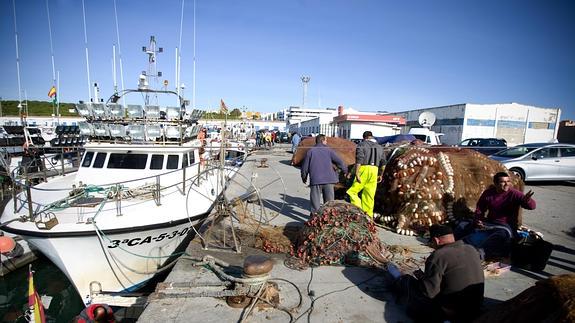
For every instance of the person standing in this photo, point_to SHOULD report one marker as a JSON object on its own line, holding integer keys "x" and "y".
{"x": 452, "y": 286}
{"x": 369, "y": 166}
{"x": 268, "y": 140}
{"x": 295, "y": 140}
{"x": 318, "y": 164}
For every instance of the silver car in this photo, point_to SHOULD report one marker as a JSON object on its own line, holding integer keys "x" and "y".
{"x": 539, "y": 161}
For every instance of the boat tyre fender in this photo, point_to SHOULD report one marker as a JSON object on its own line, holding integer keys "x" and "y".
{"x": 93, "y": 313}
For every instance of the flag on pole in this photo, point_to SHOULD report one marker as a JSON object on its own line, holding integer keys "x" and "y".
{"x": 223, "y": 108}
{"x": 34, "y": 302}
{"x": 52, "y": 94}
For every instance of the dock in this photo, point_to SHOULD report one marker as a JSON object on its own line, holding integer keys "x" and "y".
{"x": 334, "y": 293}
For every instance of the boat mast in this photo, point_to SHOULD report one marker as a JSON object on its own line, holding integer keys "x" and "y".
{"x": 179, "y": 52}
{"x": 18, "y": 65}
{"x": 54, "y": 109}
{"x": 114, "y": 69}
{"x": 153, "y": 72}
{"x": 194, "y": 63}
{"x": 86, "y": 47}
{"x": 119, "y": 52}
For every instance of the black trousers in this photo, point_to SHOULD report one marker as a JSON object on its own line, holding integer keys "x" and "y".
{"x": 461, "y": 306}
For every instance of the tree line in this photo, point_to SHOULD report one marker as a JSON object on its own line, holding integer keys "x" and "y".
{"x": 46, "y": 108}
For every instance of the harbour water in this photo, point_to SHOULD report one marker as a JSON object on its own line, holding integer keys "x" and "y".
{"x": 62, "y": 302}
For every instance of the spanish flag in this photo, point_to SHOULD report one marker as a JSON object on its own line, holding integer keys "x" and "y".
{"x": 223, "y": 108}
{"x": 52, "y": 92}
{"x": 34, "y": 302}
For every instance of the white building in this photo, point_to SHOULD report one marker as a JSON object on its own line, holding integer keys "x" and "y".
{"x": 322, "y": 124}
{"x": 352, "y": 126}
{"x": 516, "y": 123}
{"x": 295, "y": 116}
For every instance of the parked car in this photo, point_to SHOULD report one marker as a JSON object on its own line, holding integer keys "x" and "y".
{"x": 540, "y": 161}
{"x": 486, "y": 146}
{"x": 283, "y": 137}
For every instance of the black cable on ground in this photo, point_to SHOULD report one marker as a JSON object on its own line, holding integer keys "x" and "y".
{"x": 311, "y": 294}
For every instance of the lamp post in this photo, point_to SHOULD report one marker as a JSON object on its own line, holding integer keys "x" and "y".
{"x": 305, "y": 80}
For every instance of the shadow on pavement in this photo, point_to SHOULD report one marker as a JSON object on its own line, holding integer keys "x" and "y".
{"x": 564, "y": 249}
{"x": 536, "y": 275}
{"x": 376, "y": 283}
{"x": 289, "y": 207}
{"x": 285, "y": 162}
{"x": 562, "y": 260}
{"x": 562, "y": 266}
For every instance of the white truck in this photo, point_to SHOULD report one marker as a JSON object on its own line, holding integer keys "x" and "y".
{"x": 426, "y": 135}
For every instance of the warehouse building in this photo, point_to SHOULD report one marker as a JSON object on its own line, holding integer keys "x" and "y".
{"x": 514, "y": 122}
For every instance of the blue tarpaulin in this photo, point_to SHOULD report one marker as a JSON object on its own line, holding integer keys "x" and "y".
{"x": 394, "y": 139}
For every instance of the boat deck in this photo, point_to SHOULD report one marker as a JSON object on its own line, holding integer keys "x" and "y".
{"x": 346, "y": 294}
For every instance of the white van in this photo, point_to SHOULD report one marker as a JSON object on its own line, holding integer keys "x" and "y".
{"x": 426, "y": 135}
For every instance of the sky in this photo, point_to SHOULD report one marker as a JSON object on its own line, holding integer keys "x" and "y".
{"x": 370, "y": 55}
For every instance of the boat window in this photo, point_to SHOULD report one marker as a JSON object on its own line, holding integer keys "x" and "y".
{"x": 192, "y": 158}
{"x": 185, "y": 161}
{"x": 173, "y": 161}
{"x": 127, "y": 161}
{"x": 99, "y": 160}
{"x": 157, "y": 162}
{"x": 88, "y": 159}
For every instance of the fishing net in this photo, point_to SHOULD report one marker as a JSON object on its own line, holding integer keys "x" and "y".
{"x": 338, "y": 233}
{"x": 550, "y": 300}
{"x": 428, "y": 185}
{"x": 344, "y": 148}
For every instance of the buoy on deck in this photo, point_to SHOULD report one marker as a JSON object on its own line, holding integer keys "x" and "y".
{"x": 7, "y": 244}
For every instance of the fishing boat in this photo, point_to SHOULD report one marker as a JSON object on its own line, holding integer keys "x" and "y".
{"x": 140, "y": 193}
{"x": 137, "y": 196}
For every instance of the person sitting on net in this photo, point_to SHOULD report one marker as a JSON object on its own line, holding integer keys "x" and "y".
{"x": 496, "y": 218}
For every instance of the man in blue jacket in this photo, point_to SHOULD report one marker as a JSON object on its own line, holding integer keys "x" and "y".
{"x": 318, "y": 164}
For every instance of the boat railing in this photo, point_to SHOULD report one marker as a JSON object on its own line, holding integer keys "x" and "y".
{"x": 192, "y": 176}
{"x": 35, "y": 167}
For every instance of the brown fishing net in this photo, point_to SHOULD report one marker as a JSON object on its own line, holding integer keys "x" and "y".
{"x": 343, "y": 147}
{"x": 338, "y": 233}
{"x": 550, "y": 300}
{"x": 427, "y": 185}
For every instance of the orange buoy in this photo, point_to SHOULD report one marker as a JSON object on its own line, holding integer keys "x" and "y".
{"x": 7, "y": 244}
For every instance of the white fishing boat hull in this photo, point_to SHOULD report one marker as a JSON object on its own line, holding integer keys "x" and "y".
{"x": 121, "y": 264}
{"x": 116, "y": 245}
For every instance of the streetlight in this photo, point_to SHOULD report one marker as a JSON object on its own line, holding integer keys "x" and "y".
{"x": 305, "y": 80}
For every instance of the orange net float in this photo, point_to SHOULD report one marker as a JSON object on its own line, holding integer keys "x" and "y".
{"x": 7, "y": 244}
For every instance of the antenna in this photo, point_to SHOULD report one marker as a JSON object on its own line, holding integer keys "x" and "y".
{"x": 153, "y": 72}
{"x": 305, "y": 80}
{"x": 119, "y": 50}
{"x": 194, "y": 63}
{"x": 426, "y": 119}
{"x": 86, "y": 46}
{"x": 17, "y": 63}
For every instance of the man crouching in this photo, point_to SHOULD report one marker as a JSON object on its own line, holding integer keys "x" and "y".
{"x": 452, "y": 286}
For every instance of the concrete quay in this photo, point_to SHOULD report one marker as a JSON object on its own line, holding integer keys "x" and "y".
{"x": 338, "y": 293}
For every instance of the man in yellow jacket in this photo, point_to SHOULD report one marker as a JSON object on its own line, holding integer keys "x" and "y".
{"x": 369, "y": 165}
